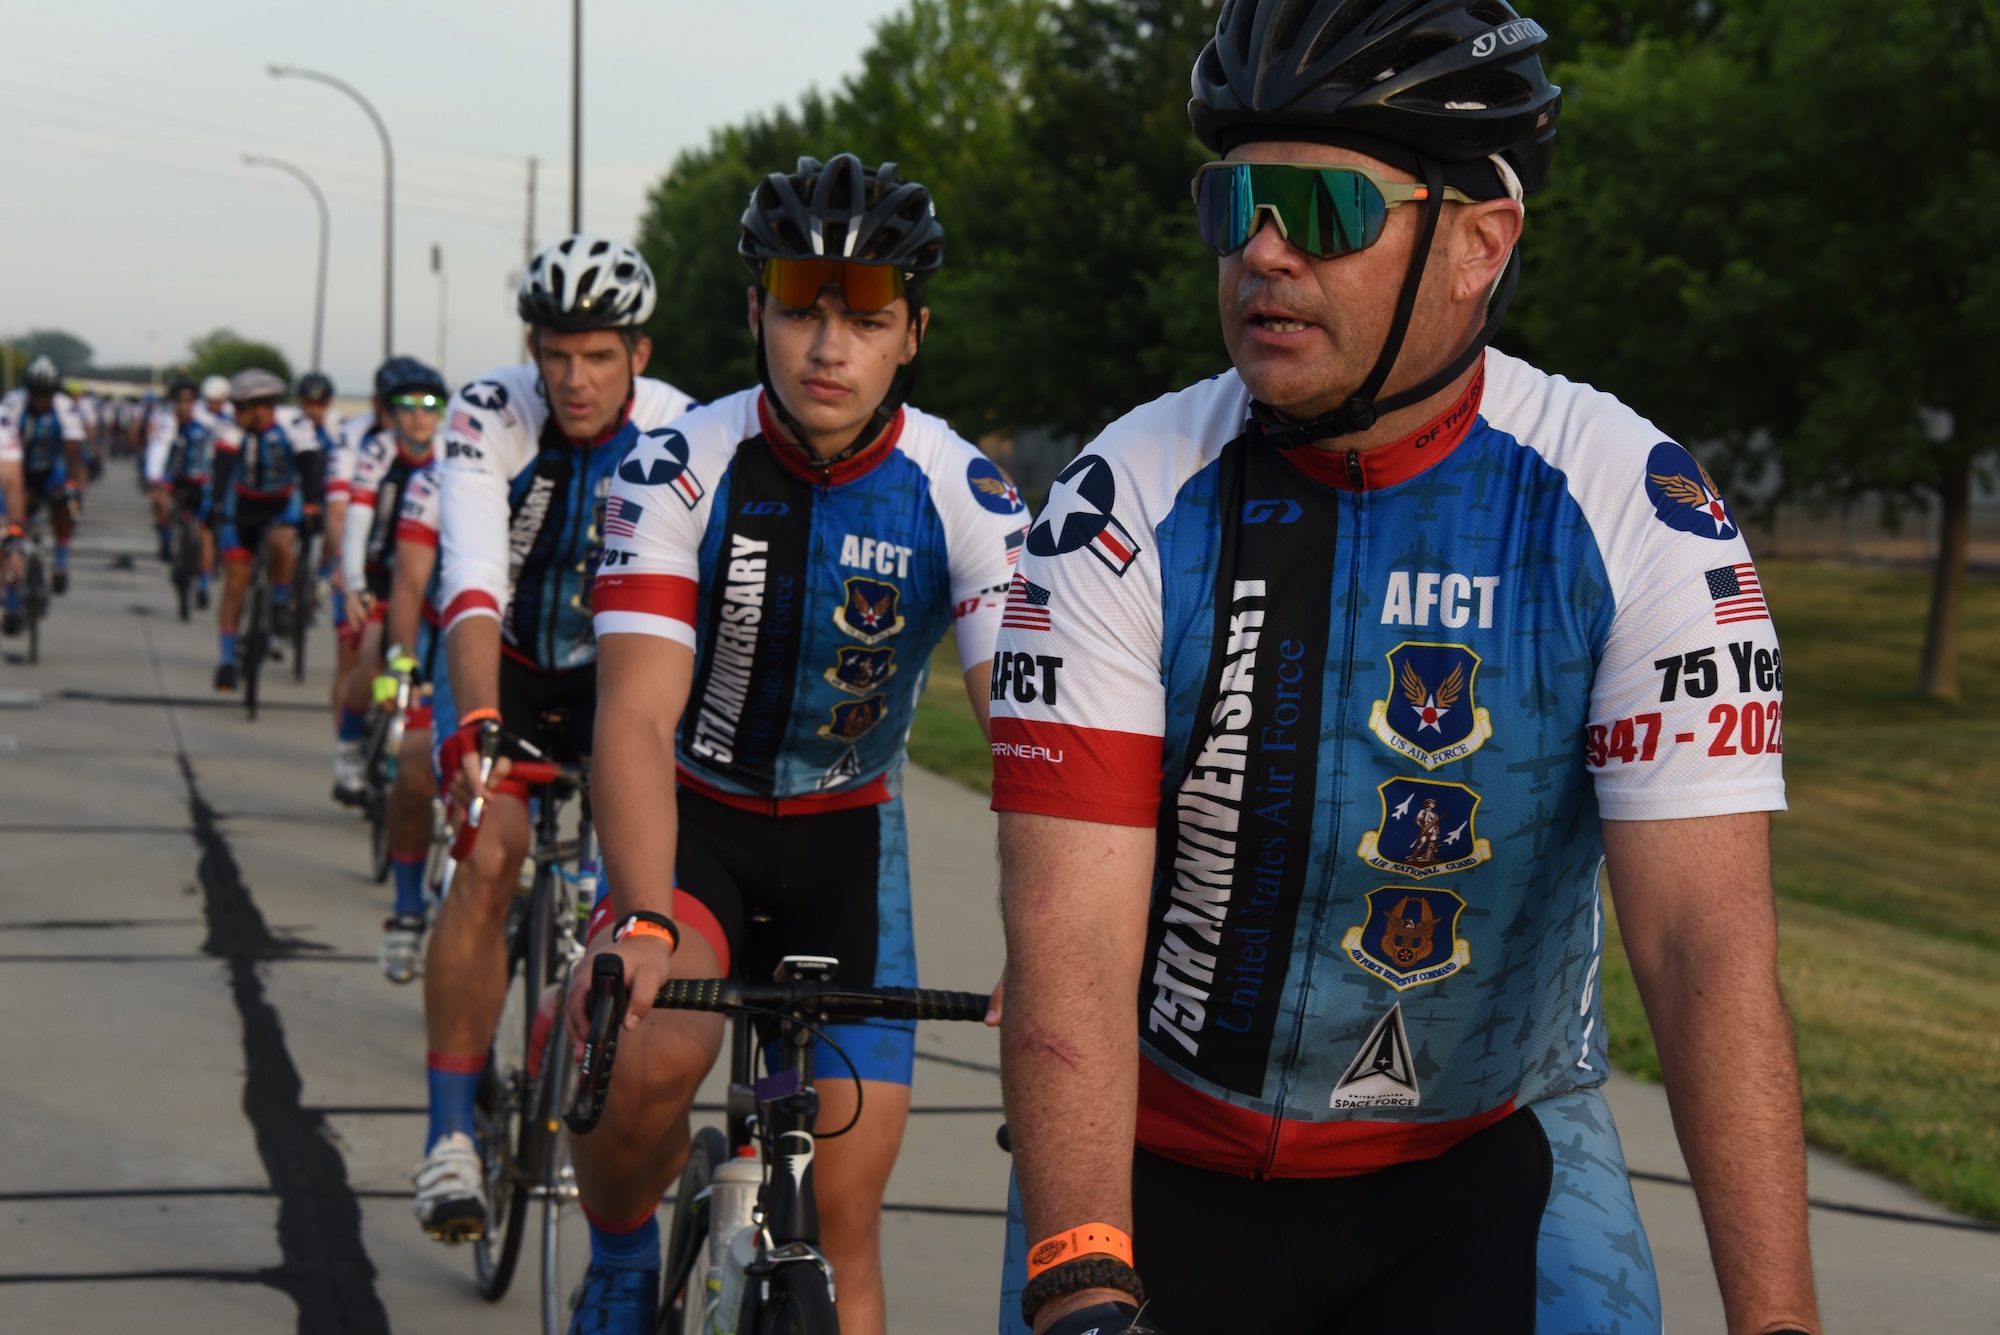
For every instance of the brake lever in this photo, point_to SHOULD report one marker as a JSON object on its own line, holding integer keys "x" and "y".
{"x": 606, "y": 1008}
{"x": 489, "y": 751}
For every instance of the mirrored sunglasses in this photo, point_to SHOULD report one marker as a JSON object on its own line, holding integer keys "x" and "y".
{"x": 865, "y": 287}
{"x": 1323, "y": 210}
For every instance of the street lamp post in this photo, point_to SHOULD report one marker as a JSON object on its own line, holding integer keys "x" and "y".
{"x": 388, "y": 195}
{"x": 576, "y": 116}
{"x": 319, "y": 289}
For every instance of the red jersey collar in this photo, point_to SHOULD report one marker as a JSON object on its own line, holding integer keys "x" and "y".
{"x": 1399, "y": 460}
{"x": 854, "y": 466}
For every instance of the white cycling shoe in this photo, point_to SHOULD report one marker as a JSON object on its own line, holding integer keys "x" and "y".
{"x": 350, "y": 773}
{"x": 402, "y": 946}
{"x": 451, "y": 1190}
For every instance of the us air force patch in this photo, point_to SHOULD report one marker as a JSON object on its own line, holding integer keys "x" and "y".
{"x": 1410, "y": 937}
{"x": 853, "y": 719}
{"x": 869, "y": 614}
{"x": 660, "y": 458}
{"x": 859, "y": 671}
{"x": 1430, "y": 715}
{"x": 1427, "y": 829}
{"x": 1684, "y": 495}
{"x": 1078, "y": 514}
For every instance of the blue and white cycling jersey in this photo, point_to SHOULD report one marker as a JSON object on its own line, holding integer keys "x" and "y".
{"x": 37, "y": 439}
{"x": 1375, "y": 704}
{"x": 812, "y": 600}
{"x": 521, "y": 512}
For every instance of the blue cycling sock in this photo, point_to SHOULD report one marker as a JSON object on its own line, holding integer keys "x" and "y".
{"x": 453, "y": 1089}
{"x": 13, "y": 597}
{"x": 166, "y": 534}
{"x": 353, "y": 725}
{"x": 409, "y": 869}
{"x": 281, "y": 594}
{"x": 202, "y": 581}
{"x": 229, "y": 646}
{"x": 62, "y": 556}
{"x": 625, "y": 1246}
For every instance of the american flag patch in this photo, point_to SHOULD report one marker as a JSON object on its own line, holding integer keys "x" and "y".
{"x": 1027, "y": 606}
{"x": 1014, "y": 541}
{"x": 1736, "y": 594}
{"x": 621, "y": 518}
{"x": 464, "y": 423}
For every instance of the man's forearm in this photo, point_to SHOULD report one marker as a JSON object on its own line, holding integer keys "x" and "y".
{"x": 472, "y": 656}
{"x": 11, "y": 493}
{"x": 632, "y": 786}
{"x": 1074, "y": 898}
{"x": 404, "y": 619}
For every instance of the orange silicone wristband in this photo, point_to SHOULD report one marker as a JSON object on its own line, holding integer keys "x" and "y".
{"x": 644, "y": 928}
{"x": 472, "y": 716}
{"x": 1083, "y": 1240}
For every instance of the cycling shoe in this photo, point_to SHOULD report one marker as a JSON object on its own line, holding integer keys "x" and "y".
{"x": 615, "y": 1302}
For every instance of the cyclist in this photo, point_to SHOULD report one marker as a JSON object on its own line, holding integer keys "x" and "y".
{"x": 179, "y": 461}
{"x": 13, "y": 511}
{"x": 412, "y": 629}
{"x": 1261, "y": 1042}
{"x": 268, "y": 480}
{"x": 529, "y": 451}
{"x": 215, "y": 398}
{"x": 46, "y": 424}
{"x": 779, "y": 566}
{"x": 416, "y": 396}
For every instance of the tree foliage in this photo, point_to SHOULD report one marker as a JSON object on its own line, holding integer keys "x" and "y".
{"x": 224, "y": 352}
{"x": 71, "y": 354}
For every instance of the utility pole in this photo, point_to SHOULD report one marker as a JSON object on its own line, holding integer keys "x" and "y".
{"x": 528, "y": 242}
{"x": 437, "y": 267}
{"x": 576, "y": 116}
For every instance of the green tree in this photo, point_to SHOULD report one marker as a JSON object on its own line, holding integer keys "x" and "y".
{"x": 1783, "y": 241}
{"x": 71, "y": 354}
{"x": 225, "y": 352}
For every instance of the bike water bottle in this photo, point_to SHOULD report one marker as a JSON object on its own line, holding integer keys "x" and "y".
{"x": 732, "y": 1232}
{"x": 589, "y": 872}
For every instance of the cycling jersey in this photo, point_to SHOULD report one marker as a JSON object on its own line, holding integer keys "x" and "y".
{"x": 190, "y": 455}
{"x": 812, "y": 603}
{"x": 521, "y": 507}
{"x": 37, "y": 438}
{"x": 268, "y": 465}
{"x": 346, "y": 449}
{"x": 382, "y": 473}
{"x": 1375, "y": 704}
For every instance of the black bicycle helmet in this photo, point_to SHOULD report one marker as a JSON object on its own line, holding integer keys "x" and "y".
{"x": 314, "y": 386}
{"x": 1454, "y": 80}
{"x": 42, "y": 376}
{"x": 841, "y": 210}
{"x": 407, "y": 375}
{"x": 180, "y": 383}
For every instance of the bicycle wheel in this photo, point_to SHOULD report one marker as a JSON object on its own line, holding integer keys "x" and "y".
{"x": 376, "y": 801}
{"x": 187, "y": 554}
{"x": 502, "y": 1122}
{"x": 684, "y": 1277}
{"x": 794, "y": 1301}
{"x": 304, "y": 584}
{"x": 565, "y": 1248}
{"x": 35, "y": 603}
{"x": 256, "y": 641}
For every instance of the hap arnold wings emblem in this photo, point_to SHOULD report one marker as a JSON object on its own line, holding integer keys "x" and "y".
{"x": 1430, "y": 715}
{"x": 854, "y": 718}
{"x": 869, "y": 614}
{"x": 859, "y": 671}
{"x": 1427, "y": 829}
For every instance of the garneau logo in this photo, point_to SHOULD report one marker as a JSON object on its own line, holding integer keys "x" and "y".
{"x": 1025, "y": 751}
{"x": 734, "y": 652}
{"x": 765, "y": 508}
{"x": 1263, "y": 512}
{"x": 1208, "y": 810}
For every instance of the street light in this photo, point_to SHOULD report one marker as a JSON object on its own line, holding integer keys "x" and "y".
{"x": 388, "y": 195}
{"x": 319, "y": 290}
{"x": 576, "y": 116}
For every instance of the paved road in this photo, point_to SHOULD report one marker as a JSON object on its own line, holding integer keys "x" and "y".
{"x": 214, "y": 1095}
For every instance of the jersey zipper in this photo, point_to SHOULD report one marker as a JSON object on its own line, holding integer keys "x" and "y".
{"x": 1353, "y": 534}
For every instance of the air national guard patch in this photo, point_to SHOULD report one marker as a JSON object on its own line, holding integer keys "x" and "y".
{"x": 1430, "y": 715}
{"x": 859, "y": 671}
{"x": 1411, "y": 936}
{"x": 869, "y": 614}
{"x": 1427, "y": 829}
{"x": 853, "y": 719}
{"x": 1684, "y": 495}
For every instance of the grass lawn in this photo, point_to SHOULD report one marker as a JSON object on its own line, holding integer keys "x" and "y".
{"x": 1888, "y": 891}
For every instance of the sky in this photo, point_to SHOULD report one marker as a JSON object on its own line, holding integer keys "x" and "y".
{"x": 129, "y": 218}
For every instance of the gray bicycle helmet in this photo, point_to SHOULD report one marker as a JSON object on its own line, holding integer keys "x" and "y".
{"x": 586, "y": 282}
{"x": 1453, "y": 80}
{"x": 42, "y": 376}
{"x": 256, "y": 385}
{"x": 841, "y": 210}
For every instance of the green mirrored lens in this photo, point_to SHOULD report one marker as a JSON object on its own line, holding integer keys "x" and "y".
{"x": 428, "y": 402}
{"x": 1325, "y": 211}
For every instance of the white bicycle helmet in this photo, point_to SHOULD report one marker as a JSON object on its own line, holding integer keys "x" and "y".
{"x": 42, "y": 376}
{"x": 584, "y": 282}
{"x": 256, "y": 385}
{"x": 214, "y": 388}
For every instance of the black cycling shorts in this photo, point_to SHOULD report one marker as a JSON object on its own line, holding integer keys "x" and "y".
{"x": 832, "y": 883}
{"x": 555, "y": 712}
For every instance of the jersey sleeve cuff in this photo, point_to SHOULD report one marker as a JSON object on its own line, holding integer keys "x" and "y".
{"x": 409, "y": 530}
{"x": 471, "y": 603}
{"x": 1692, "y": 803}
{"x": 643, "y": 623}
{"x": 1087, "y": 774}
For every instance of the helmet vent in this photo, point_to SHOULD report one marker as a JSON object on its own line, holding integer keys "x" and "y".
{"x": 1333, "y": 34}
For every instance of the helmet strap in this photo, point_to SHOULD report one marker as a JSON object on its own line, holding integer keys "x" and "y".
{"x": 885, "y": 412}
{"x": 1362, "y": 410}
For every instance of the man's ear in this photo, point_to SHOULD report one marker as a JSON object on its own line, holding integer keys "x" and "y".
{"x": 642, "y": 352}
{"x": 913, "y": 334}
{"x": 750, "y": 309}
{"x": 1486, "y": 235}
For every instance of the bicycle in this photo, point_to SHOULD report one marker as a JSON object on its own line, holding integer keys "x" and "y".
{"x": 186, "y": 548}
{"x": 382, "y": 753}
{"x": 765, "y": 1273}
{"x": 517, "y": 1113}
{"x": 254, "y": 644}
{"x": 35, "y": 583}
{"x": 304, "y": 600}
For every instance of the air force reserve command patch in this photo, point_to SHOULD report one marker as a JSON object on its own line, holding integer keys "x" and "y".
{"x": 1684, "y": 496}
{"x": 1078, "y": 514}
{"x": 1411, "y": 936}
{"x": 1427, "y": 829}
{"x": 660, "y": 458}
{"x": 1430, "y": 715}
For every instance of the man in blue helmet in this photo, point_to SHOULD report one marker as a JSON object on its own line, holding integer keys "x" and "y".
{"x": 1375, "y": 650}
